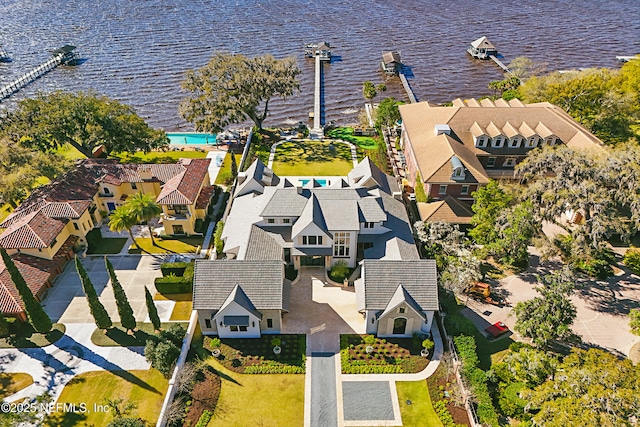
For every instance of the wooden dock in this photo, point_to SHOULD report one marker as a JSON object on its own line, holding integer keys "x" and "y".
{"x": 317, "y": 105}
{"x": 60, "y": 56}
{"x": 407, "y": 88}
{"x": 499, "y": 63}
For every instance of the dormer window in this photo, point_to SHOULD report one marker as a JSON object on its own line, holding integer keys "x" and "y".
{"x": 457, "y": 167}
{"x": 515, "y": 142}
{"x": 481, "y": 141}
{"x": 532, "y": 141}
{"x": 550, "y": 141}
{"x": 509, "y": 163}
{"x": 498, "y": 141}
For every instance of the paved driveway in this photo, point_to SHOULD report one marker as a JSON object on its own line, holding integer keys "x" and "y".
{"x": 65, "y": 301}
{"x": 322, "y": 311}
{"x": 602, "y": 306}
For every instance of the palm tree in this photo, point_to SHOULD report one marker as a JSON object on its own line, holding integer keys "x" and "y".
{"x": 145, "y": 208}
{"x": 123, "y": 218}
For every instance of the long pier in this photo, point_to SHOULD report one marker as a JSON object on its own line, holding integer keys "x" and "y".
{"x": 60, "y": 56}
{"x": 317, "y": 104}
{"x": 407, "y": 88}
{"x": 499, "y": 63}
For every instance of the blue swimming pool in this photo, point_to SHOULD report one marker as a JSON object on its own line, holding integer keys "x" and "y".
{"x": 191, "y": 138}
{"x": 322, "y": 182}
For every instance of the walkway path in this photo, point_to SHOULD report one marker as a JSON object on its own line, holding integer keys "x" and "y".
{"x": 52, "y": 367}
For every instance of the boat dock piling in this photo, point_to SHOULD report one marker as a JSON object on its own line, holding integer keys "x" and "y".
{"x": 60, "y": 56}
{"x": 499, "y": 63}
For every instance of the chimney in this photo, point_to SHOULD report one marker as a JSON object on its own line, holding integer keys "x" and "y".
{"x": 440, "y": 129}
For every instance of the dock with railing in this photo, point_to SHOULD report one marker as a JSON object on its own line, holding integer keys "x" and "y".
{"x": 64, "y": 55}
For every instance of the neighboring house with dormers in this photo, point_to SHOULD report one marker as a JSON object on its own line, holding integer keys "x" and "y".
{"x": 275, "y": 221}
{"x": 56, "y": 218}
{"x": 457, "y": 149}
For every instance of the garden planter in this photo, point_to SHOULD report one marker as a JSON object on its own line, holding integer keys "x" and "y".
{"x": 369, "y": 349}
{"x": 424, "y": 352}
{"x": 277, "y": 350}
{"x": 215, "y": 352}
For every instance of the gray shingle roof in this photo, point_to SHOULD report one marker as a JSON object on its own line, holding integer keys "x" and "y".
{"x": 402, "y": 296}
{"x": 285, "y": 202}
{"x": 370, "y": 210}
{"x": 238, "y": 296}
{"x": 261, "y": 281}
{"x": 312, "y": 214}
{"x": 262, "y": 246}
{"x": 382, "y": 278}
{"x": 340, "y": 215}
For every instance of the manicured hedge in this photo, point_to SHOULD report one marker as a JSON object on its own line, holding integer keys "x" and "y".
{"x": 176, "y": 268}
{"x": 204, "y": 418}
{"x": 177, "y": 278}
{"x": 476, "y": 378}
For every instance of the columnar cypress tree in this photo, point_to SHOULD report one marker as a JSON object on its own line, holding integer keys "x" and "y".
{"x": 151, "y": 308}
{"x": 36, "y": 314}
{"x": 234, "y": 165}
{"x": 100, "y": 315}
{"x": 4, "y": 326}
{"x": 127, "y": 318}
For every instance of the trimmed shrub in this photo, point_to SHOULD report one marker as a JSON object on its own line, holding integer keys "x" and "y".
{"x": 218, "y": 243}
{"x": 598, "y": 268}
{"x": 632, "y": 260}
{"x": 511, "y": 403}
{"x": 176, "y": 268}
{"x": 152, "y": 309}
{"x": 204, "y": 419}
{"x": 339, "y": 271}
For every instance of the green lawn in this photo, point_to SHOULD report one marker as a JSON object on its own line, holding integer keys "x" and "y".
{"x": 312, "y": 159}
{"x": 184, "y": 304}
{"x": 23, "y": 335}
{"x": 224, "y": 174}
{"x": 13, "y": 382}
{"x": 364, "y": 142}
{"x": 178, "y": 245}
{"x": 160, "y": 156}
{"x": 258, "y": 400}
{"x": 107, "y": 246}
{"x": 420, "y": 412}
{"x": 118, "y": 337}
{"x": 144, "y": 388}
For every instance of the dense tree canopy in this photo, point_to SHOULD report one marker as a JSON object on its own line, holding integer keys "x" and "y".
{"x": 22, "y": 168}
{"x": 598, "y": 184}
{"x": 387, "y": 113}
{"x": 232, "y": 88}
{"x": 548, "y": 318}
{"x": 603, "y": 100}
{"x": 84, "y": 120}
{"x": 589, "y": 388}
{"x": 369, "y": 90}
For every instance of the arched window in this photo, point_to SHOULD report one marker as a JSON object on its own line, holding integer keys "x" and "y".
{"x": 399, "y": 326}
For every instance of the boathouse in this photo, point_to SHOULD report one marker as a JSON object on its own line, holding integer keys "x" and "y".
{"x": 391, "y": 63}
{"x": 323, "y": 50}
{"x": 482, "y": 48}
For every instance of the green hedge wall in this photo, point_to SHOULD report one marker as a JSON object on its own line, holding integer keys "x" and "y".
{"x": 177, "y": 278}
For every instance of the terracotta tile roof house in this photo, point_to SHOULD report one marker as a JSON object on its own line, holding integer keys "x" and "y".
{"x": 273, "y": 223}
{"x": 457, "y": 149}
{"x": 60, "y": 214}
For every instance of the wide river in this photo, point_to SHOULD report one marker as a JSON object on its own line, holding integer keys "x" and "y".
{"x": 138, "y": 50}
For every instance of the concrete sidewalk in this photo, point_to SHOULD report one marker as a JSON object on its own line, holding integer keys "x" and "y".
{"x": 52, "y": 367}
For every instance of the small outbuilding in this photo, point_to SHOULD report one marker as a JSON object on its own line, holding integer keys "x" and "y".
{"x": 482, "y": 48}
{"x": 391, "y": 63}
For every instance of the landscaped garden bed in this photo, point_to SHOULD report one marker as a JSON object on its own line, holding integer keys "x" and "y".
{"x": 346, "y": 134}
{"x": 256, "y": 355}
{"x": 366, "y": 354}
{"x": 445, "y": 396}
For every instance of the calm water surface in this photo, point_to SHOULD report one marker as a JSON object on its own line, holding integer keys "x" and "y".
{"x": 138, "y": 51}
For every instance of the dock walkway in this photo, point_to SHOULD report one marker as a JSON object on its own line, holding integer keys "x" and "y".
{"x": 60, "y": 56}
{"x": 499, "y": 63}
{"x": 407, "y": 88}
